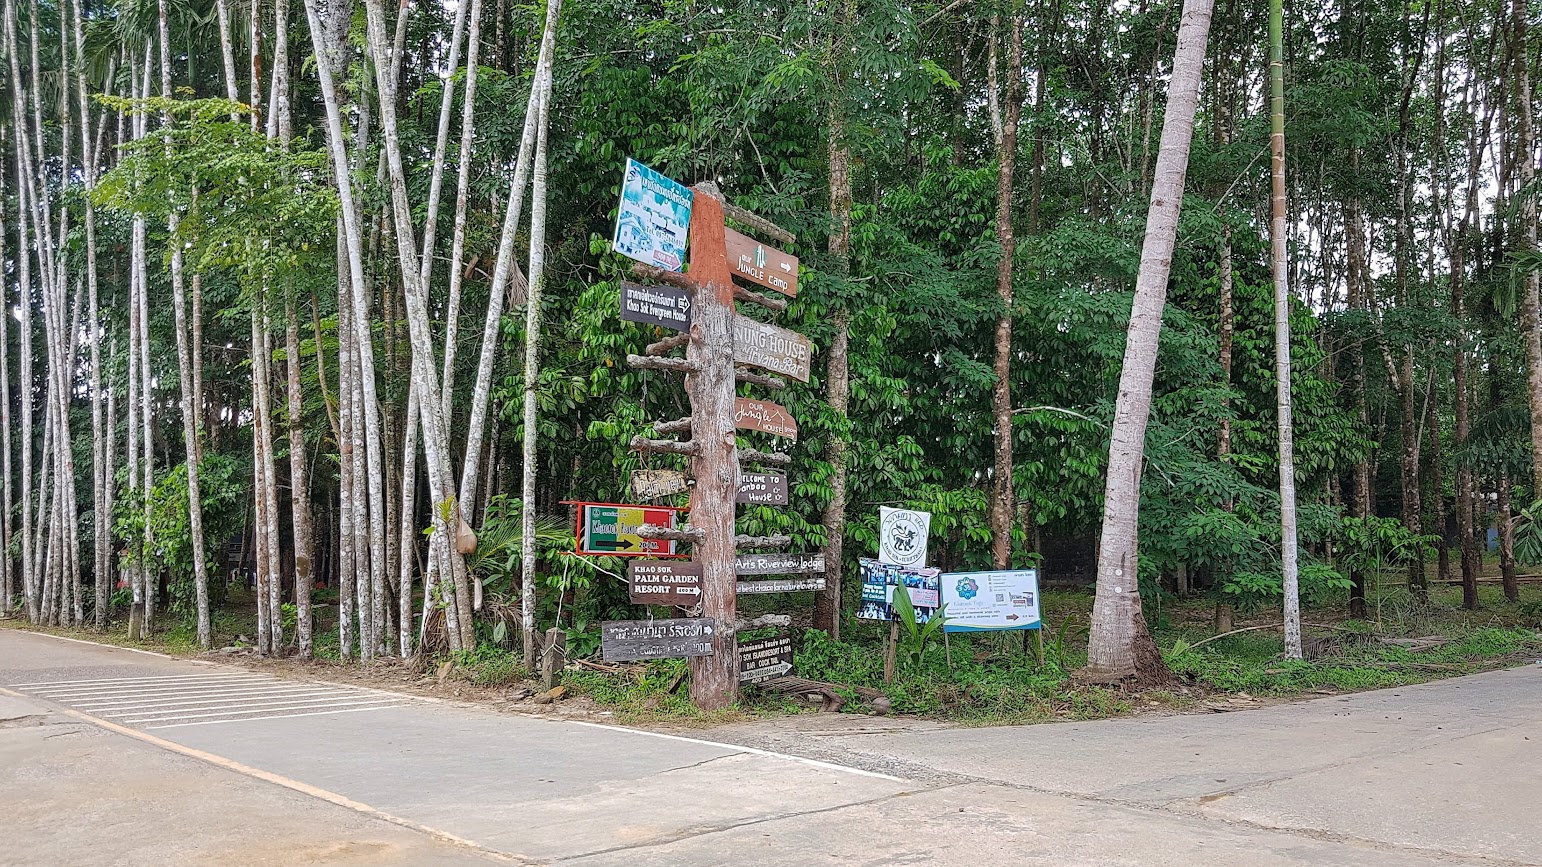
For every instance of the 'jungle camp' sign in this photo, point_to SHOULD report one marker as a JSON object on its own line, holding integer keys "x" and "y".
{"x": 629, "y": 640}
{"x": 664, "y": 582}
{"x": 754, "y": 261}
{"x": 664, "y": 306}
{"x": 610, "y": 530}
{"x": 762, "y": 489}
{"x": 764, "y": 416}
{"x": 771, "y": 348}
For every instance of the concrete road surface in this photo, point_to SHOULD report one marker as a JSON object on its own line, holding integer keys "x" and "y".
{"x": 109, "y": 756}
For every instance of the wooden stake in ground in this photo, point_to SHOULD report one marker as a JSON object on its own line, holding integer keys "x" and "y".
{"x": 715, "y": 466}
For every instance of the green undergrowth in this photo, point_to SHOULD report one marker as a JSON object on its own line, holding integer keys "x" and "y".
{"x": 997, "y": 680}
{"x": 1346, "y": 661}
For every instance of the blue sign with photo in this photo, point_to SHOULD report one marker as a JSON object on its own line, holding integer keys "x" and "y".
{"x": 879, "y": 581}
{"x": 653, "y": 218}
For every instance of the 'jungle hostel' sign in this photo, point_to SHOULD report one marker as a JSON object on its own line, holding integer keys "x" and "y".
{"x": 765, "y": 658}
{"x": 762, "y": 489}
{"x": 764, "y": 416}
{"x": 768, "y": 266}
{"x": 629, "y": 640}
{"x": 610, "y": 530}
{"x": 664, "y": 306}
{"x": 664, "y": 582}
{"x": 775, "y": 349}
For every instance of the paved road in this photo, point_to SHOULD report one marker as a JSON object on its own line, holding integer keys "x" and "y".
{"x": 112, "y": 757}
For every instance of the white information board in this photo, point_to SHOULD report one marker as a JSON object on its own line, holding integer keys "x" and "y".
{"x": 902, "y": 537}
{"x": 991, "y": 601}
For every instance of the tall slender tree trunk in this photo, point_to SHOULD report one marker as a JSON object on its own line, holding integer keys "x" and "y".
{"x": 7, "y": 563}
{"x": 537, "y": 277}
{"x": 322, "y": 42}
{"x": 1119, "y": 645}
{"x": 1526, "y": 236}
{"x": 1287, "y": 432}
{"x": 1003, "y": 501}
{"x": 435, "y": 436}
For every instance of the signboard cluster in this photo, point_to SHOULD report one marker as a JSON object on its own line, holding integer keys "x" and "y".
{"x": 654, "y": 218}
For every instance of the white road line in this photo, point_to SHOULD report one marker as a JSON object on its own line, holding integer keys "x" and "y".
{"x": 147, "y": 683}
{"x": 739, "y": 749}
{"x": 306, "y": 703}
{"x": 109, "y": 680}
{"x": 129, "y": 689}
{"x": 117, "y": 706}
{"x": 276, "y": 716}
{"x": 225, "y": 689}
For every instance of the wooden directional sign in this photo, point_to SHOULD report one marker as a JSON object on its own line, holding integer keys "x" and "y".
{"x": 665, "y": 306}
{"x": 765, "y": 658}
{"x": 762, "y": 489}
{"x": 648, "y": 484}
{"x": 627, "y": 640}
{"x": 610, "y": 530}
{"x": 768, "y": 266}
{"x": 664, "y": 582}
{"x": 764, "y": 416}
{"x": 787, "y": 585}
{"x": 779, "y": 564}
{"x": 775, "y": 349}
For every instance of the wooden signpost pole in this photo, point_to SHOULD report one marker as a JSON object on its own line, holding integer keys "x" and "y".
{"x": 715, "y": 464}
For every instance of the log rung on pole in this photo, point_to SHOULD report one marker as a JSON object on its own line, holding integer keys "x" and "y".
{"x": 683, "y": 534}
{"x": 743, "y": 294}
{"x": 672, "y": 447}
{"x": 750, "y": 376}
{"x": 659, "y": 275}
{"x": 783, "y": 620}
{"x": 667, "y": 344}
{"x": 760, "y": 457}
{"x": 762, "y": 541}
{"x": 748, "y": 218}
{"x": 678, "y": 426}
{"x": 672, "y": 365}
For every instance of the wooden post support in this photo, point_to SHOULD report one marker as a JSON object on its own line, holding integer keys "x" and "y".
{"x": 553, "y": 657}
{"x": 888, "y": 652}
{"x": 715, "y": 465}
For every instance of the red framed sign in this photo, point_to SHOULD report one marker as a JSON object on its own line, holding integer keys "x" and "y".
{"x": 610, "y": 530}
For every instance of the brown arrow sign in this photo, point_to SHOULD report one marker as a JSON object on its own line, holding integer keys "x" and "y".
{"x": 758, "y": 263}
{"x": 664, "y": 582}
{"x": 764, "y": 416}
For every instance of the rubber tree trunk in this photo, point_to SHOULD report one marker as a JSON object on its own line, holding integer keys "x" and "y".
{"x": 1277, "y": 237}
{"x": 1526, "y": 236}
{"x": 1003, "y": 499}
{"x": 1119, "y": 645}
